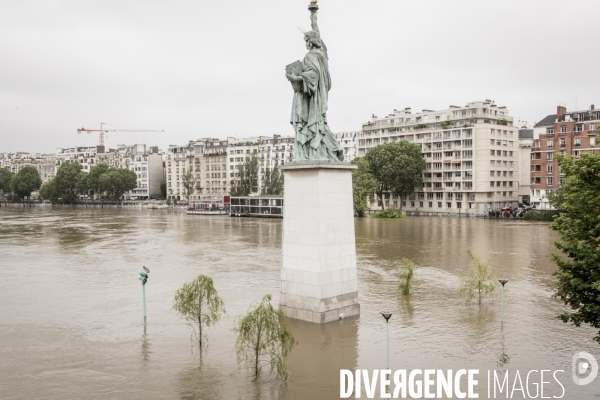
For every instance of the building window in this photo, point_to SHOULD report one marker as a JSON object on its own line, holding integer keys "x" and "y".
{"x": 563, "y": 129}
{"x": 549, "y": 181}
{"x": 549, "y": 168}
{"x": 492, "y": 183}
{"x": 449, "y": 205}
{"x": 577, "y": 141}
{"x": 549, "y": 156}
{"x": 458, "y": 205}
{"x": 549, "y": 130}
{"x": 430, "y": 204}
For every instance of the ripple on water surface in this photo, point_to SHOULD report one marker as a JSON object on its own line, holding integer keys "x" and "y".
{"x": 70, "y": 314}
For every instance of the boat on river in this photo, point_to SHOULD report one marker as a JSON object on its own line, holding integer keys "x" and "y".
{"x": 257, "y": 206}
{"x": 209, "y": 205}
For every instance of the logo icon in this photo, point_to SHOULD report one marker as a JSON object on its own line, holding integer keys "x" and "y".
{"x": 581, "y": 364}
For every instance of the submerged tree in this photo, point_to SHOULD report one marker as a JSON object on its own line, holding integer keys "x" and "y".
{"x": 200, "y": 305}
{"x": 578, "y": 224}
{"x": 264, "y": 339}
{"x": 479, "y": 282}
{"x": 406, "y": 276}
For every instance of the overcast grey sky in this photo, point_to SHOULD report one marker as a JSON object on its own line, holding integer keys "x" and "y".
{"x": 216, "y": 68}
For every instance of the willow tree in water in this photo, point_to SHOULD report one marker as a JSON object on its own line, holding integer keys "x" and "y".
{"x": 200, "y": 305}
{"x": 264, "y": 339}
{"x": 479, "y": 282}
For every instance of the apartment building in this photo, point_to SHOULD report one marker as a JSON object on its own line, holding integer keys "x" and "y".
{"x": 147, "y": 163}
{"x": 472, "y": 156}
{"x": 86, "y": 156}
{"x": 178, "y": 160}
{"x": 348, "y": 142}
{"x": 572, "y": 133}
{"x": 214, "y": 167}
{"x": 44, "y": 163}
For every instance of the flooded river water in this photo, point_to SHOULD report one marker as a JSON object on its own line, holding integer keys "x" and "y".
{"x": 71, "y": 323}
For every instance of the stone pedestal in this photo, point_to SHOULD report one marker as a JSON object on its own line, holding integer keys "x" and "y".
{"x": 318, "y": 277}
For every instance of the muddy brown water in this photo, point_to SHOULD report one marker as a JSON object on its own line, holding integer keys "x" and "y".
{"x": 71, "y": 323}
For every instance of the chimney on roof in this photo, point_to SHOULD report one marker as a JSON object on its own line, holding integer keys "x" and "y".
{"x": 592, "y": 107}
{"x": 560, "y": 113}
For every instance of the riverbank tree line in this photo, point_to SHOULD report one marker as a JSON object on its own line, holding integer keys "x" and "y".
{"x": 69, "y": 184}
{"x": 102, "y": 182}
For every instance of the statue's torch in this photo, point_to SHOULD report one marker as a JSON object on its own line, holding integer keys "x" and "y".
{"x": 313, "y": 7}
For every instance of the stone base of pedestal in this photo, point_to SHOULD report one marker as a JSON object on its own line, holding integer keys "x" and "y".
{"x": 318, "y": 277}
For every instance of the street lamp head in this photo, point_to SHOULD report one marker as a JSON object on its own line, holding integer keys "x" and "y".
{"x": 503, "y": 281}
{"x": 146, "y": 269}
{"x": 387, "y": 315}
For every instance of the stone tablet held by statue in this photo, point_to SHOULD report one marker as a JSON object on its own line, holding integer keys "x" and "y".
{"x": 295, "y": 68}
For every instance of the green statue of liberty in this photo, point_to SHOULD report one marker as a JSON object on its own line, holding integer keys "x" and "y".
{"x": 311, "y": 82}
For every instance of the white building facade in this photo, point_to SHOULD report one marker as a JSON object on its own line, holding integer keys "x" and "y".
{"x": 472, "y": 156}
{"x": 348, "y": 142}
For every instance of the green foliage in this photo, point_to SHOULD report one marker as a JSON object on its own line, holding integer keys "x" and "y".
{"x": 65, "y": 182}
{"x": 406, "y": 276}
{"x": 189, "y": 183}
{"x": 479, "y": 282}
{"x": 94, "y": 186}
{"x": 48, "y": 191}
{"x": 264, "y": 338}
{"x": 364, "y": 186}
{"x": 163, "y": 189}
{"x": 118, "y": 181}
{"x": 272, "y": 183}
{"x": 5, "y": 179}
{"x": 578, "y": 224}
{"x": 199, "y": 304}
{"x": 25, "y": 181}
{"x": 556, "y": 198}
{"x": 168, "y": 202}
{"x": 245, "y": 181}
{"x": 532, "y": 215}
{"x": 390, "y": 213}
{"x": 397, "y": 167}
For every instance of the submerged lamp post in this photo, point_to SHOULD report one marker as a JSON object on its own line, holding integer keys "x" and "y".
{"x": 144, "y": 278}
{"x": 503, "y": 281}
{"x": 387, "y": 315}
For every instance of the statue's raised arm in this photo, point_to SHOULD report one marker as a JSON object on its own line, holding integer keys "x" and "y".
{"x": 313, "y": 21}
